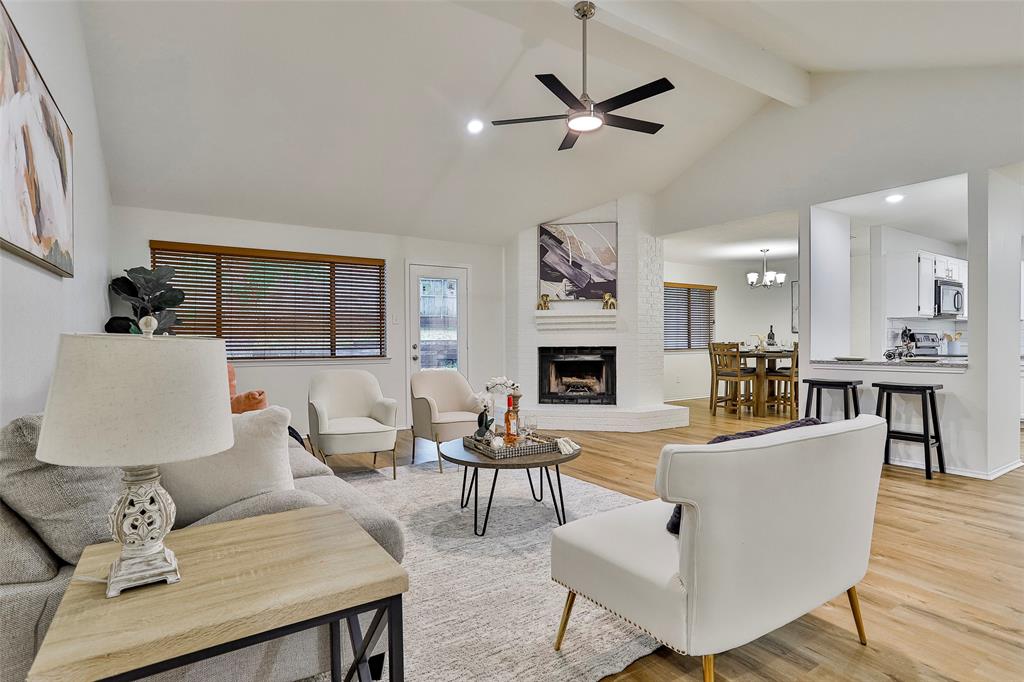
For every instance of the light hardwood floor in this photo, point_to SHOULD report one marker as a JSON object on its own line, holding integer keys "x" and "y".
{"x": 943, "y": 598}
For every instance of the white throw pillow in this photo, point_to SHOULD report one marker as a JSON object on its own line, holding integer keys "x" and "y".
{"x": 257, "y": 463}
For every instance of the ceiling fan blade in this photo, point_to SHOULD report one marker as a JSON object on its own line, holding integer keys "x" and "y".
{"x": 561, "y": 92}
{"x": 635, "y": 95}
{"x": 632, "y": 124}
{"x": 569, "y": 140}
{"x": 509, "y": 121}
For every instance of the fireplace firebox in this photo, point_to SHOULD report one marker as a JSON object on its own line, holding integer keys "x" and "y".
{"x": 577, "y": 375}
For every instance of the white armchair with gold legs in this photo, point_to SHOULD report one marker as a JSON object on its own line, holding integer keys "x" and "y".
{"x": 444, "y": 408}
{"x": 773, "y": 526}
{"x": 348, "y": 414}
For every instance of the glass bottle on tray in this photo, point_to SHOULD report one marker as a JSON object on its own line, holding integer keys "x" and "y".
{"x": 511, "y": 424}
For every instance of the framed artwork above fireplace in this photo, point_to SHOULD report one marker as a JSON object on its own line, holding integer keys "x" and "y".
{"x": 578, "y": 261}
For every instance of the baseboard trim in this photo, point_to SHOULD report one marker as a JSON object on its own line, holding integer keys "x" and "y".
{"x": 957, "y": 471}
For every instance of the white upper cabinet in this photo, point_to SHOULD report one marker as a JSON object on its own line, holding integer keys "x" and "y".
{"x": 926, "y": 269}
{"x": 910, "y": 282}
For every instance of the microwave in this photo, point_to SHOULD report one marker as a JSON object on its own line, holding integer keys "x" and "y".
{"x": 949, "y": 298}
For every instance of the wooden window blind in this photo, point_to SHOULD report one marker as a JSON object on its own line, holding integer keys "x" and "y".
{"x": 689, "y": 315}
{"x": 279, "y": 304}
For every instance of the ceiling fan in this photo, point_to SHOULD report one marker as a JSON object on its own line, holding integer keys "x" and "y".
{"x": 584, "y": 114}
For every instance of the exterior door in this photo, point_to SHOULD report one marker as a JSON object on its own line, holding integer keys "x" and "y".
{"x": 438, "y": 319}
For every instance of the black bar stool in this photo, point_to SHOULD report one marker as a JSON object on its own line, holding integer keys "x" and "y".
{"x": 931, "y": 435}
{"x": 847, "y": 386}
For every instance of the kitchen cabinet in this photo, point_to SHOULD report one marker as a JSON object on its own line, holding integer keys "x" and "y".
{"x": 926, "y": 264}
{"x": 910, "y": 282}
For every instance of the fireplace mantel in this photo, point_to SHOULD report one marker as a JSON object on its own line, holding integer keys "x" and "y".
{"x": 572, "y": 316}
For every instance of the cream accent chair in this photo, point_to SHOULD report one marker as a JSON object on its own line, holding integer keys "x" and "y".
{"x": 443, "y": 408}
{"x": 773, "y": 527}
{"x": 349, "y": 414}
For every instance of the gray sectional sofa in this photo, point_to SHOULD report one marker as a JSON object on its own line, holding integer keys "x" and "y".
{"x": 68, "y": 508}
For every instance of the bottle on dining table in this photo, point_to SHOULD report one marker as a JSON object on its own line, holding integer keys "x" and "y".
{"x": 771, "y": 335}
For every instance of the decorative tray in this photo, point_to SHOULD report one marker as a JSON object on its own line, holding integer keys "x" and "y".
{"x": 528, "y": 445}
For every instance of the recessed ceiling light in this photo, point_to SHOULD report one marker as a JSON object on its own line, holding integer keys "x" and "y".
{"x": 475, "y": 126}
{"x": 894, "y": 198}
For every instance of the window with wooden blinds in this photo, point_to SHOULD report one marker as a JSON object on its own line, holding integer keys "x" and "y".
{"x": 279, "y": 304}
{"x": 689, "y": 315}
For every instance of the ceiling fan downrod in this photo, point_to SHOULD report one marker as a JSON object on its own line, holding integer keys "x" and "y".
{"x": 585, "y": 10}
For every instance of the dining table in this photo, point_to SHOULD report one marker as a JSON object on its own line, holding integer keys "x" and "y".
{"x": 766, "y": 360}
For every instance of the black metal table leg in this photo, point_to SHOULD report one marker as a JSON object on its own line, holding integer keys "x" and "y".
{"x": 856, "y": 401}
{"x": 817, "y": 402}
{"x": 540, "y": 481}
{"x": 335, "y": 628}
{"x": 810, "y": 402}
{"x": 560, "y": 500}
{"x": 360, "y": 647}
{"x": 846, "y": 402}
{"x": 396, "y": 655}
{"x": 464, "y": 498}
{"x": 479, "y": 532}
{"x": 938, "y": 433}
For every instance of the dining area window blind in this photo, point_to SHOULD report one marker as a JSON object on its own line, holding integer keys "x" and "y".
{"x": 689, "y": 316}
{"x": 279, "y": 304}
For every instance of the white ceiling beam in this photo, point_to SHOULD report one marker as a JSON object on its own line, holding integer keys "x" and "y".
{"x": 673, "y": 28}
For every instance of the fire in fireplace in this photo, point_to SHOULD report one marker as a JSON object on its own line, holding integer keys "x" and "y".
{"x": 578, "y": 375}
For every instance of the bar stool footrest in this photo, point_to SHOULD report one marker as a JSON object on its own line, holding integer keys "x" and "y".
{"x": 912, "y": 437}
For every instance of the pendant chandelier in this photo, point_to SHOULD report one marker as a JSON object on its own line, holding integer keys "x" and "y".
{"x": 769, "y": 278}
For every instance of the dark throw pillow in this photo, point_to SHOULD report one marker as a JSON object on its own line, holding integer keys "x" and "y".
{"x": 677, "y": 513}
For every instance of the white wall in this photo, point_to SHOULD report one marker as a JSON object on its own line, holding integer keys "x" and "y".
{"x": 830, "y": 273}
{"x": 287, "y": 382}
{"x": 739, "y": 314}
{"x": 36, "y": 305}
{"x": 864, "y": 132}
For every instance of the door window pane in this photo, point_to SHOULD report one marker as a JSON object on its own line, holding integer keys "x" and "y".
{"x": 439, "y": 323}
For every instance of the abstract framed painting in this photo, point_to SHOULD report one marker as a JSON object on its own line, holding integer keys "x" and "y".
{"x": 36, "y": 162}
{"x": 578, "y": 261}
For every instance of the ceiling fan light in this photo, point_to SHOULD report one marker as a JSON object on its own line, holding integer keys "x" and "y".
{"x": 585, "y": 121}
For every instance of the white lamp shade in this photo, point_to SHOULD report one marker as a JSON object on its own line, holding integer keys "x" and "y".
{"x": 751, "y": 278}
{"x": 780, "y": 277}
{"x": 126, "y": 400}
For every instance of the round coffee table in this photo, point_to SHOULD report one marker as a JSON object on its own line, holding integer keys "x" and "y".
{"x": 456, "y": 453}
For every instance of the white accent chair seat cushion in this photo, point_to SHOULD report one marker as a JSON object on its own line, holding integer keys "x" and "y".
{"x": 587, "y": 556}
{"x": 452, "y": 417}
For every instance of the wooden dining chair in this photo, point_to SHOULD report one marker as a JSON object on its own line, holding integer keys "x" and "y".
{"x": 787, "y": 386}
{"x": 728, "y": 368}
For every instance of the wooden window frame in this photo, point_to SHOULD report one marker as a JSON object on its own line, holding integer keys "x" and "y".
{"x": 273, "y": 255}
{"x": 689, "y": 337}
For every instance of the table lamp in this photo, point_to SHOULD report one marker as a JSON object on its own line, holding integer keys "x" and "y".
{"x": 136, "y": 401}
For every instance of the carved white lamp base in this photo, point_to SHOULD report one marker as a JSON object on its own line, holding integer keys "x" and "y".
{"x": 140, "y": 520}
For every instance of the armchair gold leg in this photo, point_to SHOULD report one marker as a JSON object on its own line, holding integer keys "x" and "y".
{"x": 566, "y": 612}
{"x": 394, "y": 463}
{"x": 857, "y": 618}
{"x": 440, "y": 462}
{"x": 708, "y": 663}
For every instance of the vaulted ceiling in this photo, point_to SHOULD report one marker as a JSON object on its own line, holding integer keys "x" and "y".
{"x": 352, "y": 114}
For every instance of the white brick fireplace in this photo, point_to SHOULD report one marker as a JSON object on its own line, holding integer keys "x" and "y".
{"x": 634, "y": 329}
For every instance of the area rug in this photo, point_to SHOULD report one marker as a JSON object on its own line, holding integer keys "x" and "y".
{"x": 485, "y": 608}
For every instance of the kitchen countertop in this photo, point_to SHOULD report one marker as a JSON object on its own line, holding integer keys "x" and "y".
{"x": 947, "y": 364}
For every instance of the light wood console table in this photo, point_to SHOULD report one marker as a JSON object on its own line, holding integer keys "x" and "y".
{"x": 242, "y": 582}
